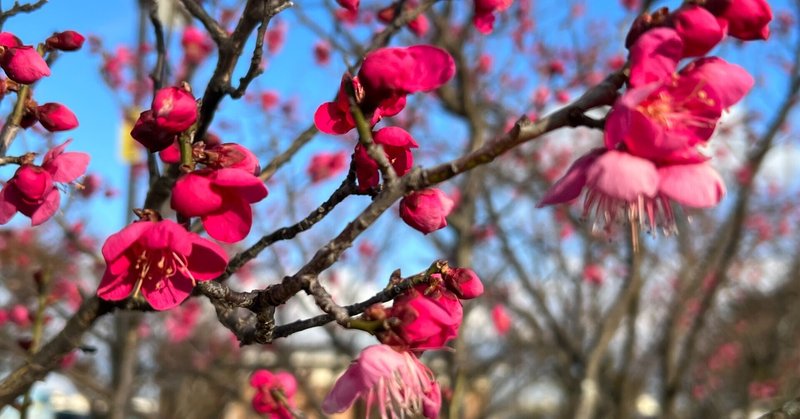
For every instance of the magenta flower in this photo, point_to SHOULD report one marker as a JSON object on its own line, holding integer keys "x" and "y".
{"x": 31, "y": 190}
{"x": 746, "y": 19}
{"x": 221, "y": 198}
{"x": 484, "y": 13}
{"x": 620, "y": 185}
{"x": 161, "y": 260}
{"x": 426, "y": 210}
{"x": 350, "y": 5}
{"x": 325, "y": 165}
{"x": 663, "y": 121}
{"x": 385, "y": 78}
{"x": 429, "y": 317}
{"x": 197, "y": 45}
{"x": 397, "y": 144}
{"x": 274, "y": 393}
{"x": 24, "y": 65}
{"x": 174, "y": 109}
{"x": 397, "y": 383}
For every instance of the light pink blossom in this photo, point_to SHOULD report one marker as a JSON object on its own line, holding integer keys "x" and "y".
{"x": 396, "y": 383}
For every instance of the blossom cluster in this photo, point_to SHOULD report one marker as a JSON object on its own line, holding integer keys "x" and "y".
{"x": 654, "y": 131}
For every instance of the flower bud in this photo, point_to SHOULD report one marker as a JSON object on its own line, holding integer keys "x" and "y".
{"x": 174, "y": 109}
{"x": 33, "y": 182}
{"x": 463, "y": 282}
{"x": 428, "y": 319}
{"x": 426, "y": 210}
{"x": 9, "y": 40}
{"x": 56, "y": 117}
{"x": 148, "y": 134}
{"x": 66, "y": 41}
{"x": 24, "y": 65}
{"x": 234, "y": 156}
{"x": 747, "y": 19}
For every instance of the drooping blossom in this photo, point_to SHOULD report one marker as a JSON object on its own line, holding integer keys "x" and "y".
{"x": 395, "y": 383}
{"x": 396, "y": 143}
{"x": 32, "y": 190}
{"x": 24, "y": 65}
{"x": 429, "y": 317}
{"x": 426, "y": 210}
{"x": 746, "y": 19}
{"x": 160, "y": 260}
{"x": 221, "y": 198}
{"x": 65, "y": 41}
{"x": 274, "y": 393}
{"x": 484, "y": 13}
{"x": 386, "y": 77}
{"x": 56, "y": 117}
{"x": 501, "y": 319}
{"x": 324, "y": 165}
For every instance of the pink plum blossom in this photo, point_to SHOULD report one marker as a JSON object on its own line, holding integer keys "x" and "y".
{"x": 325, "y": 165}
{"x": 266, "y": 400}
{"x": 32, "y": 189}
{"x": 484, "y": 13}
{"x": 160, "y": 260}
{"x": 174, "y": 109}
{"x": 501, "y": 319}
{"x": 24, "y": 65}
{"x": 396, "y": 383}
{"x": 396, "y": 143}
{"x": 221, "y": 198}
{"x": 429, "y": 317}
{"x": 426, "y": 210}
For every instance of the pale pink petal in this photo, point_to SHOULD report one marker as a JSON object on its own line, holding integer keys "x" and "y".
{"x": 193, "y": 194}
{"x": 164, "y": 294}
{"x": 345, "y": 391}
{"x": 570, "y": 186}
{"x": 654, "y": 56}
{"x": 47, "y": 208}
{"x": 623, "y": 176}
{"x": 692, "y": 185}
{"x": 245, "y": 185}
{"x": 207, "y": 259}
{"x": 67, "y": 167}
{"x": 119, "y": 242}
{"x": 114, "y": 287}
{"x": 231, "y": 225}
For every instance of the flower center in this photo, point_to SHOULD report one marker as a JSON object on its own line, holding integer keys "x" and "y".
{"x": 677, "y": 112}
{"x": 159, "y": 266}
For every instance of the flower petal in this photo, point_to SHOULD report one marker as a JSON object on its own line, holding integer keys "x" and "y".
{"x": 47, "y": 208}
{"x": 242, "y": 182}
{"x": 655, "y": 56}
{"x": 623, "y": 176}
{"x": 115, "y": 287}
{"x": 231, "y": 225}
{"x": 331, "y": 120}
{"x": 571, "y": 184}
{"x": 117, "y": 243}
{"x": 7, "y": 206}
{"x": 207, "y": 259}
{"x": 692, "y": 185}
{"x": 194, "y": 195}
{"x": 163, "y": 294}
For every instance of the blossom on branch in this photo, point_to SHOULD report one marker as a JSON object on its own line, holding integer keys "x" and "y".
{"x": 160, "y": 260}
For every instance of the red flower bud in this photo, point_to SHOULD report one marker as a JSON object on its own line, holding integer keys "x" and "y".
{"x": 9, "y": 40}
{"x": 426, "y": 210}
{"x": 56, "y": 117}
{"x": 148, "y": 134}
{"x": 66, "y": 41}
{"x": 174, "y": 109}
{"x": 24, "y": 65}
{"x": 463, "y": 282}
